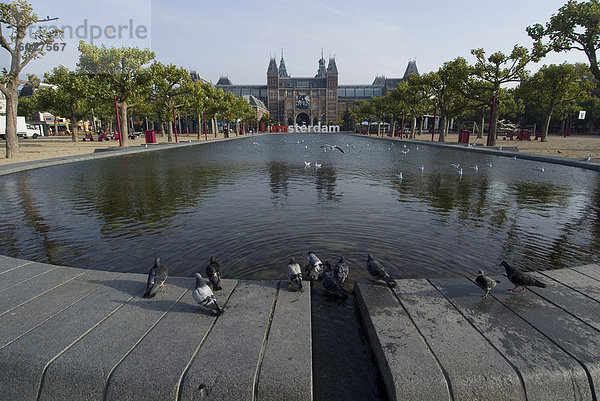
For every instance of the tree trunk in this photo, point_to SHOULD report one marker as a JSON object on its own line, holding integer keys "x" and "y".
{"x": 170, "y": 132}
{"x": 413, "y": 128}
{"x": 124, "y": 125}
{"x": 199, "y": 126}
{"x": 162, "y": 129}
{"x": 12, "y": 141}
{"x": 480, "y": 130}
{"x": 214, "y": 126}
{"x": 546, "y": 126}
{"x": 493, "y": 124}
{"x": 74, "y": 129}
{"x": 442, "y": 129}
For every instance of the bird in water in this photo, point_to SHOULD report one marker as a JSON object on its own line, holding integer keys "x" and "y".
{"x": 518, "y": 278}
{"x": 306, "y": 164}
{"x": 340, "y": 271}
{"x": 332, "y": 147}
{"x": 332, "y": 286}
{"x": 204, "y": 296}
{"x": 314, "y": 268}
{"x": 294, "y": 274}
{"x": 213, "y": 272}
{"x": 156, "y": 278}
{"x": 376, "y": 270}
{"x": 485, "y": 283}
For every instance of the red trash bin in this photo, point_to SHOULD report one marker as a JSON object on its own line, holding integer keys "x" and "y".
{"x": 463, "y": 136}
{"x": 150, "y": 136}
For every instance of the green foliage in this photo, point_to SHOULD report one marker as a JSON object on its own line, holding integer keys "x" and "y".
{"x": 576, "y": 26}
{"x": 122, "y": 69}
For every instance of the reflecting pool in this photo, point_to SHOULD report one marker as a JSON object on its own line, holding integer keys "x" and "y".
{"x": 254, "y": 202}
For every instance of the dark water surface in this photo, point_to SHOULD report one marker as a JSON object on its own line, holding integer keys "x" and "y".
{"x": 253, "y": 204}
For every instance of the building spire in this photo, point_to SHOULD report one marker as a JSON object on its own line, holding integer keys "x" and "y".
{"x": 282, "y": 70}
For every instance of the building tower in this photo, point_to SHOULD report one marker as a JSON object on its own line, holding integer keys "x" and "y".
{"x": 273, "y": 90}
{"x": 332, "y": 91}
{"x": 321, "y": 71}
{"x": 282, "y": 70}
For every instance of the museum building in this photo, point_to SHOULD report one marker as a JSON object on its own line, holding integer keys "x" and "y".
{"x": 311, "y": 100}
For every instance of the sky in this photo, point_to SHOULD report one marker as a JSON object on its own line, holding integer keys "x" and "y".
{"x": 237, "y": 38}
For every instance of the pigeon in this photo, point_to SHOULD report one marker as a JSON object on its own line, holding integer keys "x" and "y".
{"x": 213, "y": 272}
{"x": 294, "y": 274}
{"x": 558, "y": 151}
{"x": 376, "y": 270}
{"x": 340, "y": 271}
{"x": 314, "y": 268}
{"x": 518, "y": 278}
{"x": 587, "y": 159}
{"x": 485, "y": 283}
{"x": 332, "y": 147}
{"x": 156, "y": 278}
{"x": 204, "y": 296}
{"x": 332, "y": 286}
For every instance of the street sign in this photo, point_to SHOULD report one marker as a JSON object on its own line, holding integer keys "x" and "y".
{"x": 582, "y": 115}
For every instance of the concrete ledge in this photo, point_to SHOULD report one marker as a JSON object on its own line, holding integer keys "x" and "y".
{"x": 540, "y": 345}
{"x": 89, "y": 335}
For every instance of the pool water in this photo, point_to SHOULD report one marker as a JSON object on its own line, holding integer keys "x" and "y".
{"x": 253, "y": 203}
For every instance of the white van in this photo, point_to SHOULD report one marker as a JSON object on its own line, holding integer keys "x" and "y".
{"x": 23, "y": 130}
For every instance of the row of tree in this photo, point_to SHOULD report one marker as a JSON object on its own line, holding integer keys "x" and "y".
{"x": 131, "y": 78}
{"x": 458, "y": 91}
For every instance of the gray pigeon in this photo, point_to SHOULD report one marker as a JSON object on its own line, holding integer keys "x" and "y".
{"x": 294, "y": 274}
{"x": 314, "y": 268}
{"x": 213, "y": 272}
{"x": 518, "y": 278}
{"x": 333, "y": 286}
{"x": 340, "y": 271}
{"x": 204, "y": 296}
{"x": 485, "y": 283}
{"x": 156, "y": 278}
{"x": 375, "y": 268}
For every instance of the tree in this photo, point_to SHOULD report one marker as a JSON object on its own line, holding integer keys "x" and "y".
{"x": 553, "y": 87}
{"x": 74, "y": 95}
{"x": 446, "y": 86}
{"x": 170, "y": 85}
{"x": 575, "y": 27}
{"x": 123, "y": 73}
{"x": 496, "y": 70}
{"x": 416, "y": 98}
{"x": 18, "y": 17}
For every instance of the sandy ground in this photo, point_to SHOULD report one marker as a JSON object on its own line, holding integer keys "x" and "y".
{"x": 577, "y": 147}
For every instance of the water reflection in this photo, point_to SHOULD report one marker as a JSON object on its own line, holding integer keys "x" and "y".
{"x": 255, "y": 205}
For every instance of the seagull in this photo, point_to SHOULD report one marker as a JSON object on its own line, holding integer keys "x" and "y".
{"x": 317, "y": 165}
{"x": 540, "y": 169}
{"x": 422, "y": 168}
{"x": 485, "y": 283}
{"x": 156, "y": 278}
{"x": 475, "y": 167}
{"x": 587, "y": 159}
{"x": 307, "y": 164}
{"x": 417, "y": 148}
{"x": 332, "y": 147}
{"x": 500, "y": 148}
{"x": 455, "y": 165}
{"x": 204, "y": 296}
{"x": 294, "y": 274}
{"x": 376, "y": 270}
{"x": 404, "y": 152}
{"x": 333, "y": 286}
{"x": 489, "y": 164}
{"x": 314, "y": 268}
{"x": 514, "y": 157}
{"x": 518, "y": 278}
{"x": 340, "y": 271}
{"x": 459, "y": 171}
{"x": 213, "y": 272}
